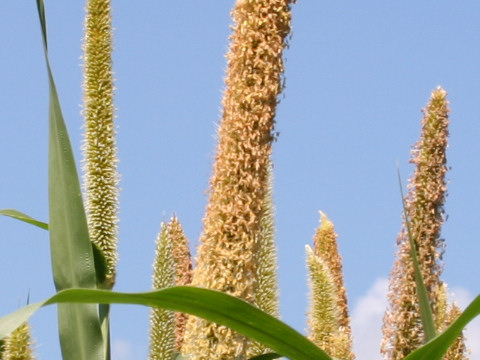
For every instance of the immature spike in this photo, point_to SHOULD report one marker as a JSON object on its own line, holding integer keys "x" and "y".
{"x": 18, "y": 345}
{"x": 325, "y": 265}
{"x": 172, "y": 267}
{"x": 266, "y": 292}
{"x": 226, "y": 256}
{"x": 183, "y": 272}
{"x": 324, "y": 315}
{"x": 403, "y": 330}
{"x": 325, "y": 246}
{"x": 162, "y": 322}
{"x": 100, "y": 160}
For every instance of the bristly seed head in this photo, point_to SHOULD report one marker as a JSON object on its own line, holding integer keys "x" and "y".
{"x": 100, "y": 160}
{"x": 18, "y": 345}
{"x": 226, "y": 256}
{"x": 328, "y": 329}
{"x": 403, "y": 331}
{"x": 162, "y": 322}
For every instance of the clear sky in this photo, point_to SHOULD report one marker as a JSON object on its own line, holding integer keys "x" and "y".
{"x": 358, "y": 74}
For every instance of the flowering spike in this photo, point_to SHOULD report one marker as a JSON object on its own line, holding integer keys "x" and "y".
{"x": 325, "y": 246}
{"x": 100, "y": 160}
{"x": 183, "y": 272}
{"x": 402, "y": 329}
{"x": 18, "y": 345}
{"x": 266, "y": 292}
{"x": 172, "y": 267}
{"x": 226, "y": 256}
{"x": 328, "y": 317}
{"x": 162, "y": 322}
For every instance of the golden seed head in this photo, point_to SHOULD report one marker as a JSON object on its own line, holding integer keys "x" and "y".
{"x": 324, "y": 314}
{"x": 226, "y": 257}
{"x": 403, "y": 330}
{"x": 326, "y": 247}
{"x": 183, "y": 272}
{"x": 181, "y": 252}
{"x": 326, "y": 251}
{"x": 100, "y": 160}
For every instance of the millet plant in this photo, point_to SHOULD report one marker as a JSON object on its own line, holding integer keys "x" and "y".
{"x": 224, "y": 305}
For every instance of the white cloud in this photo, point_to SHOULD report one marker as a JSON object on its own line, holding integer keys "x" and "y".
{"x": 121, "y": 350}
{"x": 367, "y": 319}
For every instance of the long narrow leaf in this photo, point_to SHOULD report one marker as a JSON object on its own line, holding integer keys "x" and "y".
{"x": 68, "y": 229}
{"x": 72, "y": 256}
{"x": 208, "y": 304}
{"x": 426, "y": 313}
{"x": 237, "y": 314}
{"x": 23, "y": 217}
{"x": 99, "y": 258}
{"x": 436, "y": 348}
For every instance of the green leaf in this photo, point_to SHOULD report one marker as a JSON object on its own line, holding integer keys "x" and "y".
{"x": 98, "y": 256}
{"x": 426, "y": 313}
{"x": 71, "y": 248}
{"x": 23, "y": 217}
{"x": 10, "y": 322}
{"x": 235, "y": 313}
{"x": 100, "y": 264}
{"x": 436, "y": 348}
{"x": 73, "y": 263}
{"x": 208, "y": 304}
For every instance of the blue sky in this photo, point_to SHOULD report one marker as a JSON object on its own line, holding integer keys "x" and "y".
{"x": 358, "y": 75}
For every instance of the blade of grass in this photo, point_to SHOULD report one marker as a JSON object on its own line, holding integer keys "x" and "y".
{"x": 211, "y": 305}
{"x": 67, "y": 216}
{"x": 437, "y": 347}
{"x": 23, "y": 217}
{"x": 99, "y": 258}
{"x": 72, "y": 256}
{"x": 423, "y": 299}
